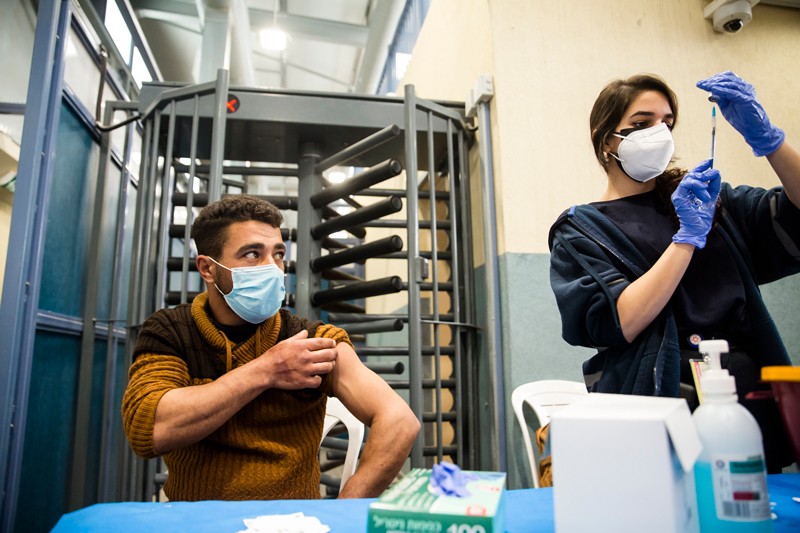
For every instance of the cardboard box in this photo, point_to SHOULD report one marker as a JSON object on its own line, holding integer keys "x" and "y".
{"x": 624, "y": 463}
{"x": 410, "y": 506}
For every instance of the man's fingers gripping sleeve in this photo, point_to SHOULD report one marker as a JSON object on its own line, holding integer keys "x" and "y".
{"x": 328, "y": 331}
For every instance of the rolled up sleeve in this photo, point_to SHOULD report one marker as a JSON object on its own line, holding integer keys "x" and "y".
{"x": 150, "y": 377}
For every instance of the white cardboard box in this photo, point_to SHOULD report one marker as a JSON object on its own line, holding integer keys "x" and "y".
{"x": 625, "y": 464}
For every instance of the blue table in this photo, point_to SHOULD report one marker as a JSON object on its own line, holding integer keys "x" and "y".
{"x": 526, "y": 510}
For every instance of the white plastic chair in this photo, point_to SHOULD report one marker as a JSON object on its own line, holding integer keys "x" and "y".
{"x": 336, "y": 412}
{"x": 544, "y": 397}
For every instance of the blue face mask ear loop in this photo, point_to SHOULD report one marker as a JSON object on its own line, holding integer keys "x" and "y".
{"x": 223, "y": 266}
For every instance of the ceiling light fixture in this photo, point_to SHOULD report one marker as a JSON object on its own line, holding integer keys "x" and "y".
{"x": 273, "y": 38}
{"x": 336, "y": 176}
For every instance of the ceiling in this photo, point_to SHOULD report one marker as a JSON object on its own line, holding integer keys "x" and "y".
{"x": 334, "y": 45}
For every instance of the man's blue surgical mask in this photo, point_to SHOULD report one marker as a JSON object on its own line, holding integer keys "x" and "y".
{"x": 645, "y": 154}
{"x": 257, "y": 293}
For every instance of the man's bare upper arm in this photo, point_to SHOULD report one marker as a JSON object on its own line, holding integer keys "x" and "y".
{"x": 360, "y": 389}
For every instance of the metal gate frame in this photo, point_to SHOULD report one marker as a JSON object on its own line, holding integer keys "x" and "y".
{"x": 359, "y": 129}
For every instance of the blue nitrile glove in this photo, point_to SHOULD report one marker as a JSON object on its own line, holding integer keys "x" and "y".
{"x": 695, "y": 200}
{"x": 737, "y": 101}
{"x": 449, "y": 480}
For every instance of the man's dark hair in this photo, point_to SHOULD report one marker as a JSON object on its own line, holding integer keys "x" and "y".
{"x": 210, "y": 228}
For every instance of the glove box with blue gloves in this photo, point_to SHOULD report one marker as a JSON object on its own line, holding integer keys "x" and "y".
{"x": 415, "y": 504}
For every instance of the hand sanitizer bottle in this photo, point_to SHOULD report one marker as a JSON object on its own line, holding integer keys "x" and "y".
{"x": 730, "y": 474}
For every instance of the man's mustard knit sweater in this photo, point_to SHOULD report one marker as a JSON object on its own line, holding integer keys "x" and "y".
{"x": 268, "y": 450}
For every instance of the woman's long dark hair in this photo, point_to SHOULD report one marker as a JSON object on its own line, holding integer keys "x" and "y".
{"x": 607, "y": 112}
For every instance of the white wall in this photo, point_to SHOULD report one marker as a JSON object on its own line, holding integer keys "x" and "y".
{"x": 551, "y": 59}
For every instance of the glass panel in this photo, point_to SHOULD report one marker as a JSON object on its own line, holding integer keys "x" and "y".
{"x": 120, "y": 34}
{"x": 118, "y": 442}
{"x": 138, "y": 68}
{"x": 81, "y": 73}
{"x": 11, "y": 125}
{"x": 68, "y": 218}
{"x": 401, "y": 61}
{"x": 117, "y": 135}
{"x": 406, "y": 33}
{"x": 47, "y": 453}
{"x": 135, "y": 159}
{"x": 94, "y": 438}
{"x": 17, "y": 25}
{"x": 108, "y": 237}
{"x": 9, "y": 160}
{"x": 127, "y": 247}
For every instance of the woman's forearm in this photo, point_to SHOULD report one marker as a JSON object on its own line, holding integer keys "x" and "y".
{"x": 785, "y": 162}
{"x": 642, "y": 301}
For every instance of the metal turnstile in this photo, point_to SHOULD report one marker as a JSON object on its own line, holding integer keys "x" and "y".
{"x": 384, "y": 254}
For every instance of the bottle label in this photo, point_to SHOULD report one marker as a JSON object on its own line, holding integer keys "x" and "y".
{"x": 740, "y": 488}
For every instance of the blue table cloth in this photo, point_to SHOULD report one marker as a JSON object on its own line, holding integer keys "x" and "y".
{"x": 526, "y": 510}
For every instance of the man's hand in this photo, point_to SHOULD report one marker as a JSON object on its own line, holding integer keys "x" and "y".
{"x": 299, "y": 362}
{"x": 186, "y": 415}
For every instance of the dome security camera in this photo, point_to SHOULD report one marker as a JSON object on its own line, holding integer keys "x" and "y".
{"x": 730, "y": 16}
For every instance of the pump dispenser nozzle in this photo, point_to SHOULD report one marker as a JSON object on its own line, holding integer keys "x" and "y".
{"x": 716, "y": 380}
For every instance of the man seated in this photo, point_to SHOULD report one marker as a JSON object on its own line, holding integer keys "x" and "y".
{"x": 231, "y": 389}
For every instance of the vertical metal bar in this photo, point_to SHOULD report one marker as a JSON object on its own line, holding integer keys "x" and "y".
{"x": 83, "y": 401}
{"x": 493, "y": 330}
{"x": 26, "y": 244}
{"x": 437, "y": 352}
{"x": 218, "y": 136}
{"x": 142, "y": 290}
{"x": 468, "y": 315}
{"x": 137, "y": 246}
{"x": 308, "y": 249}
{"x": 145, "y": 296}
{"x": 455, "y": 277}
{"x": 165, "y": 210}
{"x": 151, "y": 298}
{"x": 129, "y": 461}
{"x": 187, "y": 230}
{"x": 414, "y": 311}
{"x": 109, "y": 386}
{"x": 110, "y": 420}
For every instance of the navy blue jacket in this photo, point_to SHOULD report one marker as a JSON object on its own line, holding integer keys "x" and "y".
{"x": 592, "y": 261}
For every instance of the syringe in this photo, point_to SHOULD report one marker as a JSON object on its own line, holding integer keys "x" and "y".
{"x": 713, "y": 99}
{"x": 713, "y": 133}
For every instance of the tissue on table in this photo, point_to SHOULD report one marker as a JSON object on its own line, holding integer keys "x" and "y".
{"x": 284, "y": 523}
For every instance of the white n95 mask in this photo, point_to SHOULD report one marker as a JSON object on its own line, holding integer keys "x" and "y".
{"x": 257, "y": 293}
{"x": 645, "y": 154}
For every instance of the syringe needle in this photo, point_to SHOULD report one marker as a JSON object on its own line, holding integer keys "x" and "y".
{"x": 713, "y": 132}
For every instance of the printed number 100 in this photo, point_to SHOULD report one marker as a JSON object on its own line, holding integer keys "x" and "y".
{"x": 466, "y": 528}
